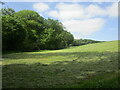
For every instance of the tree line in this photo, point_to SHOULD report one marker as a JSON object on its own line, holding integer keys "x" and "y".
{"x": 79, "y": 42}
{"x": 26, "y": 30}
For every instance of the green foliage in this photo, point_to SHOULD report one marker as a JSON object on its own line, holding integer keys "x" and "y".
{"x": 59, "y": 38}
{"x": 65, "y": 39}
{"x": 13, "y": 33}
{"x": 46, "y": 38}
{"x": 78, "y": 42}
{"x": 7, "y": 11}
{"x": 29, "y": 15}
{"x": 33, "y": 23}
{"x": 40, "y": 33}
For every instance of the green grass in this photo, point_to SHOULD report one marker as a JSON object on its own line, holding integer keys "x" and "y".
{"x": 92, "y": 65}
{"x": 106, "y": 80}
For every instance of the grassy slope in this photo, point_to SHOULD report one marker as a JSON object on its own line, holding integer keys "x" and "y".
{"x": 72, "y": 67}
{"x": 69, "y": 54}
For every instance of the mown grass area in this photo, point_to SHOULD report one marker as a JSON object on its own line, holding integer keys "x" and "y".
{"x": 87, "y": 66}
{"x": 105, "y": 80}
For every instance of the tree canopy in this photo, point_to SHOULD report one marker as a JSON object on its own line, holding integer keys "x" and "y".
{"x": 26, "y": 30}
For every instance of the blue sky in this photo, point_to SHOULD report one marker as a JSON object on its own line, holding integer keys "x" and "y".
{"x": 91, "y": 20}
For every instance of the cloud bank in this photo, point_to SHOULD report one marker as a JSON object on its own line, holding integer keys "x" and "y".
{"x": 78, "y": 18}
{"x": 77, "y": 11}
{"x": 84, "y": 27}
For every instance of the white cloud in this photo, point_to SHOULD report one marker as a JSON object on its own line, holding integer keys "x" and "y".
{"x": 94, "y": 10}
{"x": 77, "y": 11}
{"x": 41, "y": 7}
{"x": 81, "y": 19}
{"x": 62, "y": 6}
{"x": 70, "y": 11}
{"x": 84, "y": 27}
{"x": 53, "y": 13}
{"x": 113, "y": 10}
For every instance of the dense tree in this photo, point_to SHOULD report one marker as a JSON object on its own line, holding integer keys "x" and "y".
{"x": 46, "y": 39}
{"x": 60, "y": 38}
{"x": 27, "y": 30}
{"x": 7, "y": 11}
{"x": 29, "y": 15}
{"x": 13, "y": 33}
{"x": 34, "y": 26}
{"x": 64, "y": 39}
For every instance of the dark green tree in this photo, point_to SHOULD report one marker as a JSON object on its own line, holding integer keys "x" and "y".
{"x": 34, "y": 26}
{"x": 7, "y": 11}
{"x": 29, "y": 31}
{"x": 13, "y": 33}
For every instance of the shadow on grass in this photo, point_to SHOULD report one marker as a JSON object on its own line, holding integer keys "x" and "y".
{"x": 59, "y": 73}
{"x": 18, "y": 56}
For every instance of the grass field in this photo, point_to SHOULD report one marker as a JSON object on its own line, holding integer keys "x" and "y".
{"x": 87, "y": 66}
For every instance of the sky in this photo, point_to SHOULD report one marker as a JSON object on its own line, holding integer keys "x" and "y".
{"x": 86, "y": 20}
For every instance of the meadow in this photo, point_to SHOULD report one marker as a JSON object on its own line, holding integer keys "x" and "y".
{"x": 86, "y": 66}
